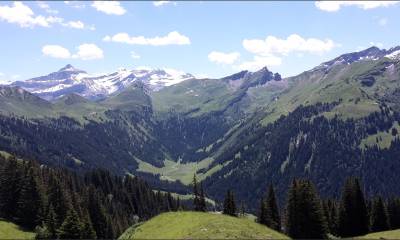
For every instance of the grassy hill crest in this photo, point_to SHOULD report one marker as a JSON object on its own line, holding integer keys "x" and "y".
{"x": 198, "y": 225}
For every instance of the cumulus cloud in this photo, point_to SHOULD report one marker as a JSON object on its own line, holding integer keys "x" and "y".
{"x": 173, "y": 38}
{"x": 223, "y": 58}
{"x": 161, "y": 3}
{"x": 334, "y": 6}
{"x": 88, "y": 51}
{"x": 21, "y": 14}
{"x": 259, "y": 62}
{"x": 85, "y": 51}
{"x": 56, "y": 51}
{"x": 109, "y": 7}
{"x": 134, "y": 55}
{"x": 294, "y": 43}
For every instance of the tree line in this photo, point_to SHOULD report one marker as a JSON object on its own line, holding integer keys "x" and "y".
{"x": 307, "y": 216}
{"x": 59, "y": 204}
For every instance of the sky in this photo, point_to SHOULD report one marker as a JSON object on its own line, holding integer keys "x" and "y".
{"x": 206, "y": 39}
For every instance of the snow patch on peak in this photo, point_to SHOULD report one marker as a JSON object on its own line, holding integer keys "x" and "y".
{"x": 395, "y": 55}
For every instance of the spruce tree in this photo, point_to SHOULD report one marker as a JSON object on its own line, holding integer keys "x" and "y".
{"x": 196, "y": 195}
{"x": 50, "y": 222}
{"x": 88, "y": 231}
{"x": 71, "y": 228}
{"x": 393, "y": 209}
{"x": 29, "y": 205}
{"x": 229, "y": 204}
{"x": 273, "y": 219}
{"x": 202, "y": 199}
{"x": 262, "y": 213}
{"x": 10, "y": 177}
{"x": 353, "y": 206}
{"x": 379, "y": 218}
{"x": 98, "y": 215}
{"x": 305, "y": 219}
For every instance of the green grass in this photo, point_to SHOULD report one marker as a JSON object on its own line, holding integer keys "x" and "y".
{"x": 196, "y": 225}
{"x": 393, "y": 234}
{"x": 184, "y": 172}
{"x": 382, "y": 139}
{"x": 11, "y": 231}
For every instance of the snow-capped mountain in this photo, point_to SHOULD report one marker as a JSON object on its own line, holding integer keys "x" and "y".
{"x": 72, "y": 80}
{"x": 372, "y": 53}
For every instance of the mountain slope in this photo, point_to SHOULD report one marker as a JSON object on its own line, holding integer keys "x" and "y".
{"x": 197, "y": 225}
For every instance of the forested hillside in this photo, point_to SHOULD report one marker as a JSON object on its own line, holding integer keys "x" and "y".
{"x": 60, "y": 204}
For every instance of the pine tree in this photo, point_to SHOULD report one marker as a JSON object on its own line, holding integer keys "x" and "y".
{"x": 10, "y": 177}
{"x": 229, "y": 204}
{"x": 27, "y": 215}
{"x": 196, "y": 195}
{"x": 273, "y": 219}
{"x": 88, "y": 231}
{"x": 353, "y": 206}
{"x": 393, "y": 208}
{"x": 50, "y": 222}
{"x": 262, "y": 214}
{"x": 305, "y": 219}
{"x": 331, "y": 215}
{"x": 242, "y": 209}
{"x": 379, "y": 218}
{"x": 98, "y": 215}
{"x": 71, "y": 228}
{"x": 202, "y": 200}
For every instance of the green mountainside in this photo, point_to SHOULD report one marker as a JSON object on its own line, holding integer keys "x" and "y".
{"x": 244, "y": 131}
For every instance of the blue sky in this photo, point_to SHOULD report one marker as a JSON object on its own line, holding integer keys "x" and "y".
{"x": 211, "y": 39}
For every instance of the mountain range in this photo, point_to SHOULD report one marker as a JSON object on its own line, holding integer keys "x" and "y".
{"x": 243, "y": 131}
{"x": 72, "y": 80}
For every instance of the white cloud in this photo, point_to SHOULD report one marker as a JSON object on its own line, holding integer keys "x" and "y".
{"x": 109, "y": 7}
{"x": 75, "y": 24}
{"x": 173, "y": 38}
{"x": 15, "y": 76}
{"x": 56, "y": 51}
{"x": 75, "y": 4}
{"x": 223, "y": 58}
{"x": 161, "y": 3}
{"x": 294, "y": 43}
{"x": 334, "y": 6}
{"x": 259, "y": 62}
{"x": 383, "y": 22}
{"x": 85, "y": 52}
{"x": 88, "y": 51}
{"x": 46, "y": 7}
{"x": 23, "y": 15}
{"x": 134, "y": 55}
{"x": 1, "y": 74}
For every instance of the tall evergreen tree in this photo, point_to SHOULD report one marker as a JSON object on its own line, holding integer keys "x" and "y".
{"x": 71, "y": 228}
{"x": 379, "y": 218}
{"x": 273, "y": 218}
{"x": 229, "y": 204}
{"x": 353, "y": 206}
{"x": 98, "y": 215}
{"x": 393, "y": 208}
{"x": 331, "y": 215}
{"x": 10, "y": 177}
{"x": 50, "y": 222}
{"x": 196, "y": 194}
{"x": 30, "y": 204}
{"x": 202, "y": 199}
{"x": 262, "y": 213}
{"x": 305, "y": 219}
